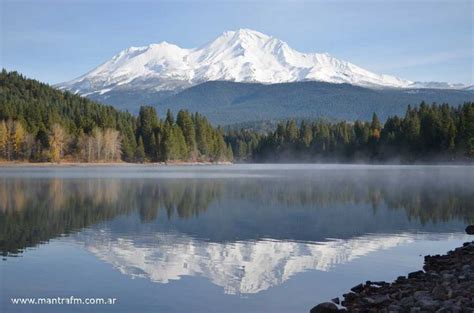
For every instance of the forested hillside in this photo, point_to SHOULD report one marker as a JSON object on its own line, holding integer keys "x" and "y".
{"x": 40, "y": 123}
{"x": 427, "y": 133}
{"x": 226, "y": 103}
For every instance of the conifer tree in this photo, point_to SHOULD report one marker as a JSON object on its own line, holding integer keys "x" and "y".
{"x": 140, "y": 152}
{"x": 306, "y": 134}
{"x": 169, "y": 117}
{"x": 203, "y": 135}
{"x": 375, "y": 126}
{"x": 291, "y": 131}
{"x": 147, "y": 126}
{"x": 185, "y": 122}
{"x": 181, "y": 149}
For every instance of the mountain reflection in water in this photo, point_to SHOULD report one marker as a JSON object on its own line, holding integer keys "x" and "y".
{"x": 244, "y": 230}
{"x": 242, "y": 267}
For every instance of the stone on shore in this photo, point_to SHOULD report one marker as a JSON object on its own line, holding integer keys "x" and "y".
{"x": 446, "y": 284}
{"x": 325, "y": 307}
{"x": 470, "y": 230}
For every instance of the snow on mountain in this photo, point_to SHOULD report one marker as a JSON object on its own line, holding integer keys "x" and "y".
{"x": 240, "y": 56}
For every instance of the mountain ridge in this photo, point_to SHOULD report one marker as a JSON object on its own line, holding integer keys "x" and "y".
{"x": 244, "y": 55}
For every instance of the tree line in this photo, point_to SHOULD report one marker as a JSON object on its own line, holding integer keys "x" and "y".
{"x": 39, "y": 123}
{"x": 426, "y": 133}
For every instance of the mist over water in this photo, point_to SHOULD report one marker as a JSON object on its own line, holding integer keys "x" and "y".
{"x": 237, "y": 237}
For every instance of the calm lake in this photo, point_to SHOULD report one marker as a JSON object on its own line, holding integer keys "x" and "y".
{"x": 236, "y": 238}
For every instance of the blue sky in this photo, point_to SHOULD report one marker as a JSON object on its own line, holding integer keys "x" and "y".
{"x": 57, "y": 40}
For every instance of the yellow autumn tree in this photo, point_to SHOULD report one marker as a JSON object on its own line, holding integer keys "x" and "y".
{"x": 58, "y": 139}
{"x": 18, "y": 135}
{"x": 112, "y": 145}
{"x": 3, "y": 139}
{"x": 98, "y": 138}
{"x": 86, "y": 147}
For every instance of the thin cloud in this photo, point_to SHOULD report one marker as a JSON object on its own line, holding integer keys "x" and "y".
{"x": 427, "y": 59}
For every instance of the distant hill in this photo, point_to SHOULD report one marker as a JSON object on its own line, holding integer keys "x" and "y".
{"x": 229, "y": 102}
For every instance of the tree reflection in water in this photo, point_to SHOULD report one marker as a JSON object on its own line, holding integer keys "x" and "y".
{"x": 34, "y": 210}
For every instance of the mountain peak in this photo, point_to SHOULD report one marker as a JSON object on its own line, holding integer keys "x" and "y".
{"x": 237, "y": 39}
{"x": 242, "y": 55}
{"x": 245, "y": 33}
{"x": 163, "y": 44}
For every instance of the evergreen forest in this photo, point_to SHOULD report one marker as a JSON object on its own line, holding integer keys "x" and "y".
{"x": 39, "y": 123}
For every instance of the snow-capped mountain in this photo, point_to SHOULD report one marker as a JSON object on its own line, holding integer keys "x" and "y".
{"x": 239, "y": 56}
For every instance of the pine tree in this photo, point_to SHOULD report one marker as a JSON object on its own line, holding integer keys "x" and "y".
{"x": 242, "y": 150}
{"x": 140, "y": 152}
{"x": 147, "y": 126}
{"x": 185, "y": 122}
{"x": 181, "y": 149}
{"x": 375, "y": 127}
{"x": 229, "y": 153}
{"x": 203, "y": 135}
{"x": 169, "y": 142}
{"x": 129, "y": 144}
{"x": 306, "y": 134}
{"x": 169, "y": 117}
{"x": 291, "y": 131}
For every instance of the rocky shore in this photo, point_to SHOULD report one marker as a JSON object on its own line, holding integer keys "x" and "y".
{"x": 446, "y": 284}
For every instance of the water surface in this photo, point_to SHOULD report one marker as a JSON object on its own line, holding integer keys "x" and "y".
{"x": 237, "y": 238}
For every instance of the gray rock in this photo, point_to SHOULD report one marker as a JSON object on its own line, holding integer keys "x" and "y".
{"x": 470, "y": 230}
{"x": 358, "y": 288}
{"x": 377, "y": 299}
{"x": 379, "y": 283}
{"x": 420, "y": 294}
{"x": 394, "y": 308}
{"x": 325, "y": 307}
{"x": 440, "y": 293}
{"x": 335, "y": 300}
{"x": 447, "y": 276}
{"x": 401, "y": 279}
{"x": 445, "y": 286}
{"x": 407, "y": 302}
{"x": 428, "y": 304}
{"x": 350, "y": 296}
{"x": 450, "y": 293}
{"x": 451, "y": 308}
{"x": 416, "y": 274}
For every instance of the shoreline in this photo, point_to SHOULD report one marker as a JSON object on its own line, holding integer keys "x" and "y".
{"x": 98, "y": 164}
{"x": 201, "y": 163}
{"x": 446, "y": 284}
